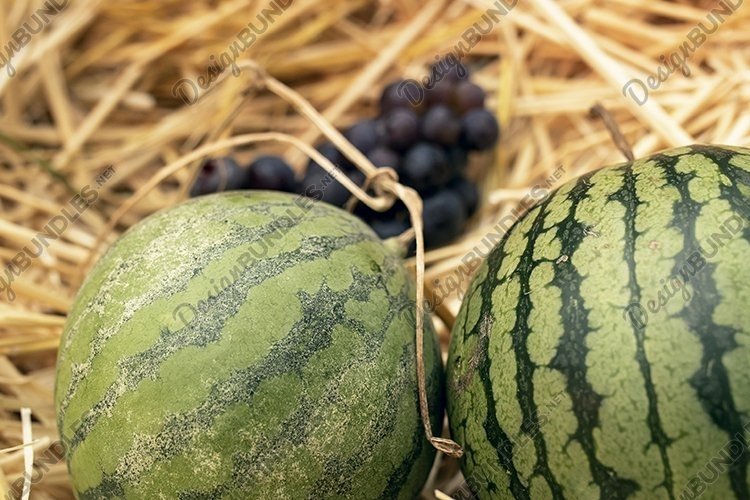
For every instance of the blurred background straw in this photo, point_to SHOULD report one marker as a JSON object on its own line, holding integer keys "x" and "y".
{"x": 95, "y": 89}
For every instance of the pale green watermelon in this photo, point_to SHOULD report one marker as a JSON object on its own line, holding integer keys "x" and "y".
{"x": 603, "y": 349}
{"x": 245, "y": 345}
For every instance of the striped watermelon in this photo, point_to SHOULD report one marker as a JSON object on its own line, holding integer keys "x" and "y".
{"x": 603, "y": 348}
{"x": 245, "y": 345}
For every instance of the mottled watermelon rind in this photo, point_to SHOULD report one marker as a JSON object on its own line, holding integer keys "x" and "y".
{"x": 182, "y": 374}
{"x": 651, "y": 408}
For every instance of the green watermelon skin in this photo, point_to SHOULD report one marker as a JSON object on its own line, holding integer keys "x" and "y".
{"x": 559, "y": 386}
{"x": 246, "y": 345}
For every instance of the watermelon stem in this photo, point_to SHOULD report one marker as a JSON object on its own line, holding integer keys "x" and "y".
{"x": 599, "y": 111}
{"x": 400, "y": 244}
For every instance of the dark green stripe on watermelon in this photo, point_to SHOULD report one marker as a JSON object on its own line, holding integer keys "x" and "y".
{"x": 628, "y": 197}
{"x": 710, "y": 381}
{"x": 571, "y": 352}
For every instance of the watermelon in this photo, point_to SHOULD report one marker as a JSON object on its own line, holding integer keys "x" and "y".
{"x": 603, "y": 347}
{"x": 246, "y": 345}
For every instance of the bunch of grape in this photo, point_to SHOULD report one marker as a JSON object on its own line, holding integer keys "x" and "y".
{"x": 427, "y": 141}
{"x": 425, "y": 134}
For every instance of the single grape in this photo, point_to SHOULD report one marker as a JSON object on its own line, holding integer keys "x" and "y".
{"x": 321, "y": 185}
{"x": 389, "y": 228}
{"x": 396, "y": 96}
{"x": 480, "y": 130}
{"x": 270, "y": 172}
{"x": 365, "y": 135}
{"x": 216, "y": 175}
{"x": 458, "y": 158}
{"x": 469, "y": 96}
{"x": 382, "y": 156}
{"x": 442, "y": 92}
{"x": 468, "y": 192}
{"x": 425, "y": 166}
{"x": 402, "y": 128}
{"x": 444, "y": 217}
{"x": 441, "y": 126}
{"x": 449, "y": 69}
{"x": 329, "y": 151}
{"x": 397, "y": 211}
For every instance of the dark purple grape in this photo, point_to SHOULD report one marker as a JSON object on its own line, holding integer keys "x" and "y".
{"x": 441, "y": 126}
{"x": 444, "y": 217}
{"x": 400, "y": 95}
{"x": 329, "y": 151}
{"x": 469, "y": 96}
{"x": 389, "y": 228}
{"x": 480, "y": 130}
{"x": 365, "y": 135}
{"x": 384, "y": 157}
{"x": 425, "y": 166}
{"x": 216, "y": 175}
{"x": 442, "y": 92}
{"x": 320, "y": 185}
{"x": 468, "y": 192}
{"x": 449, "y": 69}
{"x": 270, "y": 172}
{"x": 397, "y": 211}
{"x": 458, "y": 158}
{"x": 402, "y": 128}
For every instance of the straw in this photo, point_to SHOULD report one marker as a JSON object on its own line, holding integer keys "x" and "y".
{"x": 94, "y": 89}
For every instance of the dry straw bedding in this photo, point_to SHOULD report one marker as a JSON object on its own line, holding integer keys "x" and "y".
{"x": 94, "y": 89}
